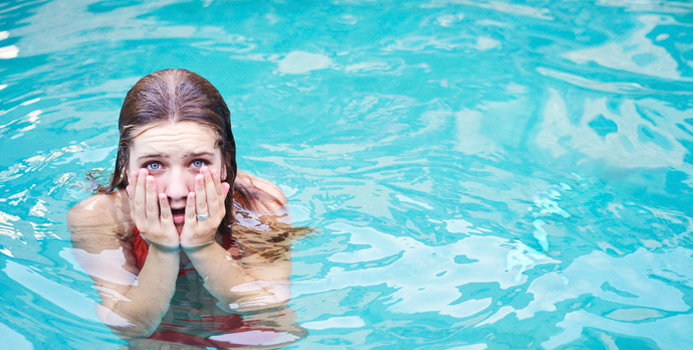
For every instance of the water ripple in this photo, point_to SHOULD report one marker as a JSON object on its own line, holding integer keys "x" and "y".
{"x": 481, "y": 174}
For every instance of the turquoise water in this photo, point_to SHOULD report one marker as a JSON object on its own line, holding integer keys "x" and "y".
{"x": 482, "y": 174}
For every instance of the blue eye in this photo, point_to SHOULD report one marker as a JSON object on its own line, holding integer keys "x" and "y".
{"x": 198, "y": 163}
{"x": 153, "y": 166}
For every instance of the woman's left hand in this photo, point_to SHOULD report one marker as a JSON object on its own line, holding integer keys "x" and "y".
{"x": 205, "y": 209}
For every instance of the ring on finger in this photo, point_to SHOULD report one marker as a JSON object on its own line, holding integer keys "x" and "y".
{"x": 202, "y": 217}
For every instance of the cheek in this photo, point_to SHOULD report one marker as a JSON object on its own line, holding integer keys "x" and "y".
{"x": 219, "y": 167}
{"x": 129, "y": 168}
{"x": 161, "y": 183}
{"x": 190, "y": 182}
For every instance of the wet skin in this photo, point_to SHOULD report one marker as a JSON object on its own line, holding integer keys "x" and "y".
{"x": 175, "y": 174}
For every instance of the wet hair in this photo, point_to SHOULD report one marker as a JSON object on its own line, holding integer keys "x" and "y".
{"x": 176, "y": 95}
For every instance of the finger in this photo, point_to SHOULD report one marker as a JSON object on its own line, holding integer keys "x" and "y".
{"x": 130, "y": 188}
{"x": 211, "y": 189}
{"x": 166, "y": 215}
{"x": 190, "y": 212}
{"x": 217, "y": 183}
{"x": 140, "y": 196}
{"x": 225, "y": 191}
{"x": 200, "y": 195}
{"x": 151, "y": 202}
{"x": 131, "y": 205}
{"x": 225, "y": 186}
{"x": 128, "y": 191}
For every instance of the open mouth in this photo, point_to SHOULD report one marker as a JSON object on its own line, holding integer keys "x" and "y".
{"x": 178, "y": 215}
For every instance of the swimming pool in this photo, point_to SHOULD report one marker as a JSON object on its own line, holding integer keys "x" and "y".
{"x": 482, "y": 174}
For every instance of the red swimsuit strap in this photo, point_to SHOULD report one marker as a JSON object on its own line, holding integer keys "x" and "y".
{"x": 139, "y": 248}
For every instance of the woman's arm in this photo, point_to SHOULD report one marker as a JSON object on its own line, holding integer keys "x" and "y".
{"x": 241, "y": 285}
{"x": 253, "y": 281}
{"x": 132, "y": 301}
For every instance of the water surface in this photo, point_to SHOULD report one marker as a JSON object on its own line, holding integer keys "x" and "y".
{"x": 482, "y": 174}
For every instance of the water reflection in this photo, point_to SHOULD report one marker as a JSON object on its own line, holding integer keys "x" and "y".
{"x": 425, "y": 278}
{"x": 638, "y": 53}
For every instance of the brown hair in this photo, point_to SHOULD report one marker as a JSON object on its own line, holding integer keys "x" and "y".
{"x": 176, "y": 95}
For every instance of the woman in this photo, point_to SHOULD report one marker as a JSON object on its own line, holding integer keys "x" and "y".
{"x": 179, "y": 238}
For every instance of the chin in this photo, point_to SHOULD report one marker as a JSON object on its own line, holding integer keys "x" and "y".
{"x": 179, "y": 228}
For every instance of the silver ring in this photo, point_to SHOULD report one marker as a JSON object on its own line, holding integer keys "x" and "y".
{"x": 202, "y": 217}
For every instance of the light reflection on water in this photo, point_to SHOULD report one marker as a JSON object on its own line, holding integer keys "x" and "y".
{"x": 485, "y": 174}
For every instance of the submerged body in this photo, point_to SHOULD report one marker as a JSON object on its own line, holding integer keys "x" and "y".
{"x": 108, "y": 247}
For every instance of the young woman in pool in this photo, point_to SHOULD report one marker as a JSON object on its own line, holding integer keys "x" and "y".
{"x": 179, "y": 231}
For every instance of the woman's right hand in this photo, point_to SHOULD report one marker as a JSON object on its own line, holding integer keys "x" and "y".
{"x": 150, "y": 211}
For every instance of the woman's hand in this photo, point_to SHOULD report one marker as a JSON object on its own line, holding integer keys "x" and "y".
{"x": 205, "y": 209}
{"x": 151, "y": 211}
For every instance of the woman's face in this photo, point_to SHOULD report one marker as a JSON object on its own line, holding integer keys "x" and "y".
{"x": 174, "y": 152}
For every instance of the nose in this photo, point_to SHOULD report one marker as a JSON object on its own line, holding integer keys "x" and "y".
{"x": 177, "y": 187}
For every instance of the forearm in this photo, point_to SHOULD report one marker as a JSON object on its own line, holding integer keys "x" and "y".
{"x": 229, "y": 281}
{"x": 148, "y": 299}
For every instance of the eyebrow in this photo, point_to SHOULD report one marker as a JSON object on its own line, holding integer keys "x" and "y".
{"x": 153, "y": 155}
{"x": 198, "y": 154}
{"x": 187, "y": 155}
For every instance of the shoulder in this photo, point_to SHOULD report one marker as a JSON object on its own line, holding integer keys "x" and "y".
{"x": 258, "y": 195}
{"x": 108, "y": 213}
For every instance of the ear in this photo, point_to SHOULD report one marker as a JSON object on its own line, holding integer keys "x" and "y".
{"x": 223, "y": 173}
